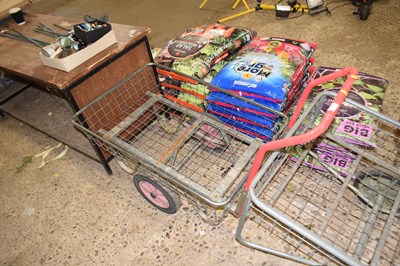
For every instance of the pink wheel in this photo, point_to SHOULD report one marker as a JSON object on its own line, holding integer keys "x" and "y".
{"x": 161, "y": 198}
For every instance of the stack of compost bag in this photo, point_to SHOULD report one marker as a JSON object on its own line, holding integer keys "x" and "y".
{"x": 197, "y": 53}
{"x": 268, "y": 71}
{"x": 350, "y": 124}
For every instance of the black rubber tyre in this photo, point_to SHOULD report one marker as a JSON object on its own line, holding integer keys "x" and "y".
{"x": 364, "y": 11}
{"x": 372, "y": 182}
{"x": 161, "y": 198}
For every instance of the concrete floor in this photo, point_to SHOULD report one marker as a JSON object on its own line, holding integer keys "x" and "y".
{"x": 70, "y": 212}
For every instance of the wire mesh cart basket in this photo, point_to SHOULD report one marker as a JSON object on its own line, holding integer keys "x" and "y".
{"x": 330, "y": 198}
{"x": 172, "y": 150}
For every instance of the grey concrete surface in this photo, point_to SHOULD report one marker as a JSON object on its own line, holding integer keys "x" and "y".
{"x": 70, "y": 212}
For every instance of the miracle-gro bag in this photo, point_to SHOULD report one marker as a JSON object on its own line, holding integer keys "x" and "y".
{"x": 266, "y": 67}
{"x": 252, "y": 130}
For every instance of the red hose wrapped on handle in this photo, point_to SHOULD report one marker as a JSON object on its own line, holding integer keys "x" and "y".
{"x": 313, "y": 133}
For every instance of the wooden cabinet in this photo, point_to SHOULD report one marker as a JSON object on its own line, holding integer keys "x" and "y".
{"x": 84, "y": 83}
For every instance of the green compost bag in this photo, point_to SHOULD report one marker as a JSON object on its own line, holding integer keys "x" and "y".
{"x": 197, "y": 50}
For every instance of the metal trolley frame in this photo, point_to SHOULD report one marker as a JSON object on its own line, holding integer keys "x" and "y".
{"x": 327, "y": 206}
{"x": 286, "y": 186}
{"x": 171, "y": 149}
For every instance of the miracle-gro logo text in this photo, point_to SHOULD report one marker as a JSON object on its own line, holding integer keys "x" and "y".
{"x": 257, "y": 69}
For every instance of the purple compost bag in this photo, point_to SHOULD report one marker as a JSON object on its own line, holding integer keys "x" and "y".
{"x": 350, "y": 124}
{"x": 330, "y": 154}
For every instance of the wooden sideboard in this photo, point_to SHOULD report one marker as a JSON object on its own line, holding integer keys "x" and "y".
{"x": 84, "y": 83}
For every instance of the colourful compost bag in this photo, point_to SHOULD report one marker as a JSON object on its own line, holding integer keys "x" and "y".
{"x": 266, "y": 69}
{"x": 295, "y": 91}
{"x": 200, "y": 53}
{"x": 252, "y": 130}
{"x": 236, "y": 113}
{"x": 242, "y": 115}
{"x": 226, "y": 101}
{"x": 329, "y": 154}
{"x": 350, "y": 124}
{"x": 195, "y": 94}
{"x": 195, "y": 51}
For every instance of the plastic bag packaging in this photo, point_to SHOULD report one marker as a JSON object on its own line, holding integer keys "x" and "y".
{"x": 350, "y": 124}
{"x": 197, "y": 50}
{"x": 266, "y": 67}
{"x": 200, "y": 52}
{"x": 269, "y": 71}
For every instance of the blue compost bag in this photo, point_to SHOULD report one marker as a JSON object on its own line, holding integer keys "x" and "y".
{"x": 223, "y": 99}
{"x": 259, "y": 74}
{"x": 249, "y": 129}
{"x": 238, "y": 115}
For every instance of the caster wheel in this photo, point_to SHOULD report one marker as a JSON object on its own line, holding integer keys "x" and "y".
{"x": 161, "y": 198}
{"x": 364, "y": 11}
{"x": 372, "y": 183}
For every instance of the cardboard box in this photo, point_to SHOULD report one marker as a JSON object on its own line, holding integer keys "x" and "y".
{"x": 70, "y": 62}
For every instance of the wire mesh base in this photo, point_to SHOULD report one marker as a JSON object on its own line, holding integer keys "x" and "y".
{"x": 191, "y": 152}
{"x": 335, "y": 200}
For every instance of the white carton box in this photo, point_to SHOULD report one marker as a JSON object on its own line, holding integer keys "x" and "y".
{"x": 70, "y": 62}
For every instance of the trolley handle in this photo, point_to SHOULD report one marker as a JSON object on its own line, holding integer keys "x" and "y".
{"x": 351, "y": 76}
{"x": 312, "y": 134}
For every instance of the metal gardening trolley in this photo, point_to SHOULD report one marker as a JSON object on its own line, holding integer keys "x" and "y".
{"x": 170, "y": 149}
{"x": 328, "y": 199}
{"x": 319, "y": 199}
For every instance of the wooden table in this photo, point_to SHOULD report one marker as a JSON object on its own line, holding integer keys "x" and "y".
{"x": 82, "y": 84}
